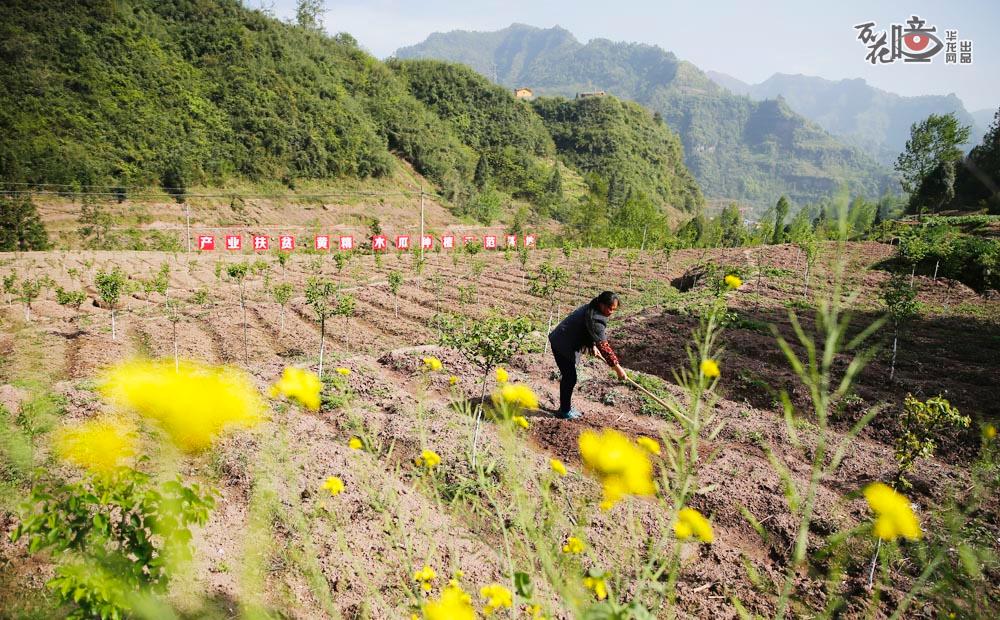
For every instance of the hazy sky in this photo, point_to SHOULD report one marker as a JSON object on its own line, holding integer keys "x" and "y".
{"x": 750, "y": 40}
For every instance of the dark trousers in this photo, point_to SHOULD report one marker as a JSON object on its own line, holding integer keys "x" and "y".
{"x": 566, "y": 361}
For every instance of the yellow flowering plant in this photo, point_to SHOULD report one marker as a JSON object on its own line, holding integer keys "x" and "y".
{"x": 692, "y": 524}
{"x": 453, "y": 604}
{"x": 557, "y": 466}
{"x": 299, "y": 384}
{"x": 194, "y": 404}
{"x": 497, "y": 597}
{"x": 597, "y": 583}
{"x": 334, "y": 485}
{"x": 99, "y": 446}
{"x": 894, "y": 515}
{"x": 425, "y": 578}
{"x": 428, "y": 459}
{"x": 710, "y": 368}
{"x": 573, "y": 546}
{"x": 622, "y": 466}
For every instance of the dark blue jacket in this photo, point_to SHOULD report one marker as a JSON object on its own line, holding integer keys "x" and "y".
{"x": 584, "y": 327}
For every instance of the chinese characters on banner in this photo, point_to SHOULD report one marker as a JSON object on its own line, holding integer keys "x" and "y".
{"x": 379, "y": 243}
{"x": 917, "y": 42}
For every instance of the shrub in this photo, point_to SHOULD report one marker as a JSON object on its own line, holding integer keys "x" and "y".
{"x": 920, "y": 424}
{"x": 117, "y": 535}
{"x": 21, "y": 228}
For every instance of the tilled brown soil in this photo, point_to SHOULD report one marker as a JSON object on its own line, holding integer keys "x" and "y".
{"x": 359, "y": 551}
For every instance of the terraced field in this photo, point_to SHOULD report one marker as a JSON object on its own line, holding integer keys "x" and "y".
{"x": 274, "y": 541}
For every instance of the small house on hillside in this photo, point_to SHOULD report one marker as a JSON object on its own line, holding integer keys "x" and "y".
{"x": 593, "y": 93}
{"x": 523, "y": 93}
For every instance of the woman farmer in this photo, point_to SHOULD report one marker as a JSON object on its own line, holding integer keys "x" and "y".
{"x": 584, "y": 329}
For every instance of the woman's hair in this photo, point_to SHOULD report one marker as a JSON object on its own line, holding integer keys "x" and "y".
{"x": 606, "y": 298}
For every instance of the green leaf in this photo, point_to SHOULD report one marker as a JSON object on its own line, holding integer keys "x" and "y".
{"x": 522, "y": 585}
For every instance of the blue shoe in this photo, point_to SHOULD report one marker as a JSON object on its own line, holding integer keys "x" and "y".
{"x": 572, "y": 414}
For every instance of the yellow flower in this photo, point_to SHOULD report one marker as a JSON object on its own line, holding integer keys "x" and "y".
{"x": 355, "y": 443}
{"x": 516, "y": 395}
{"x": 521, "y": 421}
{"x": 334, "y": 485}
{"x": 502, "y": 376}
{"x": 194, "y": 404}
{"x": 557, "y": 466}
{"x": 432, "y": 364}
{"x": 302, "y": 385}
{"x": 535, "y": 611}
{"x": 343, "y": 372}
{"x": 733, "y": 281}
{"x": 428, "y": 459}
{"x": 573, "y": 546}
{"x": 598, "y": 586}
{"x": 425, "y": 574}
{"x": 98, "y": 446}
{"x": 453, "y": 604}
{"x": 452, "y": 380}
{"x": 690, "y": 523}
{"x": 623, "y": 467}
{"x": 496, "y": 597}
{"x": 895, "y": 515}
{"x": 990, "y": 432}
{"x": 650, "y": 445}
{"x": 710, "y": 368}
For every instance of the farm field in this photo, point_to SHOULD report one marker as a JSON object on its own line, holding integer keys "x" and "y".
{"x": 276, "y": 543}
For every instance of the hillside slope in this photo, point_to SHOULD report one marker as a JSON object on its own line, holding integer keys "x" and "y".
{"x": 860, "y": 114}
{"x": 182, "y": 94}
{"x": 736, "y": 148}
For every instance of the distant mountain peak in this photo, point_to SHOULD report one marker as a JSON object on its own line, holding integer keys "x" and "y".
{"x": 868, "y": 117}
{"x": 736, "y": 147}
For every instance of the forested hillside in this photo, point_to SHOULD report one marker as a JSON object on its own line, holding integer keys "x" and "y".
{"x": 736, "y": 148}
{"x": 623, "y": 142}
{"x": 612, "y": 143}
{"x": 182, "y": 93}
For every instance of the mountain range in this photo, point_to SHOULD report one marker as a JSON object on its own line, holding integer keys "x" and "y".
{"x": 737, "y": 148}
{"x": 856, "y": 112}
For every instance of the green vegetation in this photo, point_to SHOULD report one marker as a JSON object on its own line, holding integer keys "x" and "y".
{"x": 922, "y": 423}
{"x": 178, "y": 94}
{"x": 936, "y": 174}
{"x": 117, "y": 534}
{"x": 640, "y": 159}
{"x": 977, "y": 179}
{"x": 927, "y": 164}
{"x": 507, "y": 136}
{"x": 20, "y": 227}
{"x": 736, "y": 148}
{"x": 110, "y": 286}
